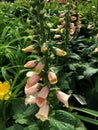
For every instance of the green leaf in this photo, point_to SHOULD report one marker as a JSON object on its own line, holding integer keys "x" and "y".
{"x": 31, "y": 110}
{"x": 90, "y": 71}
{"x": 15, "y": 127}
{"x": 87, "y": 119}
{"x": 59, "y": 125}
{"x": 32, "y": 127}
{"x": 65, "y": 116}
{"x": 88, "y": 111}
{"x": 18, "y": 107}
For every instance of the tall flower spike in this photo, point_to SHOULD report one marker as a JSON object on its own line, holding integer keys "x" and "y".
{"x": 42, "y": 96}
{"x": 43, "y": 112}
{"x": 52, "y": 77}
{"x": 63, "y": 97}
{"x": 29, "y": 49}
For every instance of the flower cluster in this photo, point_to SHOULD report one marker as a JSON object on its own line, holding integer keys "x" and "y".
{"x": 39, "y": 95}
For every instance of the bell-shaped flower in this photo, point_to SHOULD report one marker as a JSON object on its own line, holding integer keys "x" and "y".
{"x": 59, "y": 52}
{"x": 31, "y": 90}
{"x": 39, "y": 67}
{"x": 30, "y": 100}
{"x": 63, "y": 97}
{"x": 30, "y": 48}
{"x": 52, "y": 77}
{"x": 42, "y": 96}
{"x": 43, "y": 112}
{"x": 30, "y": 64}
{"x": 33, "y": 79}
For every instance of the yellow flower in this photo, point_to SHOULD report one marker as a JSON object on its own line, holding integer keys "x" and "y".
{"x": 5, "y": 90}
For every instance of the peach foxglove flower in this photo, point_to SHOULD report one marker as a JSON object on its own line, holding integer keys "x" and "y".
{"x": 52, "y": 77}
{"x": 30, "y": 100}
{"x": 39, "y": 67}
{"x": 33, "y": 80}
{"x": 63, "y": 97}
{"x": 60, "y": 52}
{"x": 43, "y": 112}
{"x": 42, "y": 96}
{"x": 31, "y": 90}
{"x": 30, "y": 64}
{"x": 29, "y": 49}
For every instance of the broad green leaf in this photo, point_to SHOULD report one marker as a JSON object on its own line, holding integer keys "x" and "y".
{"x": 15, "y": 127}
{"x": 65, "y": 117}
{"x": 18, "y": 106}
{"x": 32, "y": 127}
{"x": 59, "y": 125}
{"x": 90, "y": 71}
{"x": 21, "y": 121}
{"x": 31, "y": 110}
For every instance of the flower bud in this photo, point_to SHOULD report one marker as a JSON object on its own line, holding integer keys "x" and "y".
{"x": 30, "y": 64}
{"x": 29, "y": 49}
{"x": 52, "y": 77}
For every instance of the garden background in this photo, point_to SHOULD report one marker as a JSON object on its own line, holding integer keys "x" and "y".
{"x": 49, "y": 65}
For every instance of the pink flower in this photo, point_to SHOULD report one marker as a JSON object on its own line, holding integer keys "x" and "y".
{"x": 43, "y": 112}
{"x": 63, "y": 97}
{"x": 30, "y": 100}
{"x": 39, "y": 67}
{"x": 72, "y": 28}
{"x": 30, "y": 64}
{"x": 31, "y": 90}
{"x": 42, "y": 96}
{"x": 73, "y": 18}
{"x": 52, "y": 77}
{"x": 30, "y": 49}
{"x": 33, "y": 80}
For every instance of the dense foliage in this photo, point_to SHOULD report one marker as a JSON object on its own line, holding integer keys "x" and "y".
{"x": 61, "y": 42}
